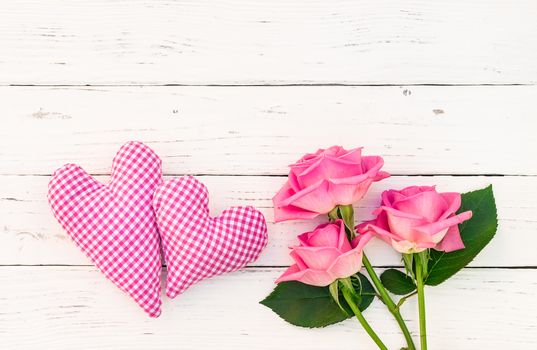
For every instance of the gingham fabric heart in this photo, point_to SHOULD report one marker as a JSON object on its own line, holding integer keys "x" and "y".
{"x": 197, "y": 246}
{"x": 115, "y": 224}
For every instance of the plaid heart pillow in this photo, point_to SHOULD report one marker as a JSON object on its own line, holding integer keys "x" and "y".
{"x": 114, "y": 224}
{"x": 198, "y": 246}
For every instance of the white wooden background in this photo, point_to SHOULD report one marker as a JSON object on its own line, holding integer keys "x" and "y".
{"x": 234, "y": 91}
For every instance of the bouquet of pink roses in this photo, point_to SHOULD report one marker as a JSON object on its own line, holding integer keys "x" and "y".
{"x": 436, "y": 233}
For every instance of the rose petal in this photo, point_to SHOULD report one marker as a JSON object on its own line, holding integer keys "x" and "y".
{"x": 328, "y": 168}
{"x": 346, "y": 264}
{"x": 406, "y": 247}
{"x": 291, "y": 271}
{"x": 308, "y": 276}
{"x": 398, "y": 213}
{"x": 285, "y": 192}
{"x": 292, "y": 213}
{"x": 317, "y": 258}
{"x": 430, "y": 205}
{"x": 308, "y": 158}
{"x": 360, "y": 241}
{"x": 335, "y": 151}
{"x": 288, "y": 212}
{"x": 326, "y": 235}
{"x": 402, "y": 225}
{"x": 453, "y": 201}
{"x": 354, "y": 155}
{"x": 387, "y": 197}
{"x": 452, "y": 240}
{"x": 346, "y": 191}
{"x": 293, "y": 182}
{"x": 413, "y": 190}
{"x": 381, "y": 175}
{"x": 371, "y": 165}
{"x": 438, "y": 226}
{"x": 380, "y": 222}
{"x": 314, "y": 199}
{"x": 437, "y": 237}
{"x": 298, "y": 260}
{"x": 360, "y": 228}
{"x": 343, "y": 242}
{"x": 303, "y": 238}
{"x": 381, "y": 233}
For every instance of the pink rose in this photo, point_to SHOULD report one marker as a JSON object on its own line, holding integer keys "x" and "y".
{"x": 417, "y": 218}
{"x": 319, "y": 182}
{"x": 325, "y": 255}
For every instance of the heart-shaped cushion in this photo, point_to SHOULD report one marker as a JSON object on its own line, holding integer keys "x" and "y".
{"x": 114, "y": 224}
{"x": 197, "y": 246}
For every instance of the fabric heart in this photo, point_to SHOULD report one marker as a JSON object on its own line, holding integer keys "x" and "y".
{"x": 197, "y": 246}
{"x": 114, "y": 224}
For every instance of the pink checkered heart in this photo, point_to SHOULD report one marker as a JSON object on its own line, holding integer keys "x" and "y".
{"x": 114, "y": 224}
{"x": 197, "y": 246}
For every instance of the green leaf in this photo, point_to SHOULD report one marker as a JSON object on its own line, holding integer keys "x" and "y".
{"x": 309, "y": 306}
{"x": 476, "y": 233}
{"x": 397, "y": 282}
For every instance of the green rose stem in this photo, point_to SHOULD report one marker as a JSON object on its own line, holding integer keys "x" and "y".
{"x": 349, "y": 294}
{"x": 421, "y": 271}
{"x": 346, "y": 213}
{"x": 388, "y": 301}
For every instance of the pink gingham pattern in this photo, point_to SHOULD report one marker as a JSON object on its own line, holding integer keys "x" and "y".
{"x": 197, "y": 246}
{"x": 114, "y": 224}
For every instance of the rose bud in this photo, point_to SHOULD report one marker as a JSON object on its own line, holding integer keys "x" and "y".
{"x": 325, "y": 255}
{"x": 417, "y": 218}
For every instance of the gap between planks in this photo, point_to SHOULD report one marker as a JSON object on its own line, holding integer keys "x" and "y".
{"x": 285, "y": 175}
{"x": 285, "y": 266}
{"x": 267, "y": 85}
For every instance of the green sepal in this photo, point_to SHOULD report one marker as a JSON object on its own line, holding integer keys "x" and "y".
{"x": 334, "y": 292}
{"x": 346, "y": 212}
{"x": 408, "y": 261}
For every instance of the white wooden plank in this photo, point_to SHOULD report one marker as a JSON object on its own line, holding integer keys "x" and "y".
{"x": 30, "y": 235}
{"x": 267, "y": 41}
{"x": 253, "y": 130}
{"x": 77, "y": 308}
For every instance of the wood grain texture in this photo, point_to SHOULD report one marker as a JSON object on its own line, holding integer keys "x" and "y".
{"x": 242, "y": 137}
{"x": 30, "y": 235}
{"x": 267, "y": 42}
{"x": 259, "y": 130}
{"x": 77, "y": 308}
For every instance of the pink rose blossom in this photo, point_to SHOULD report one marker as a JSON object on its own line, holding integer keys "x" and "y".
{"x": 325, "y": 255}
{"x": 319, "y": 182}
{"x": 417, "y": 218}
